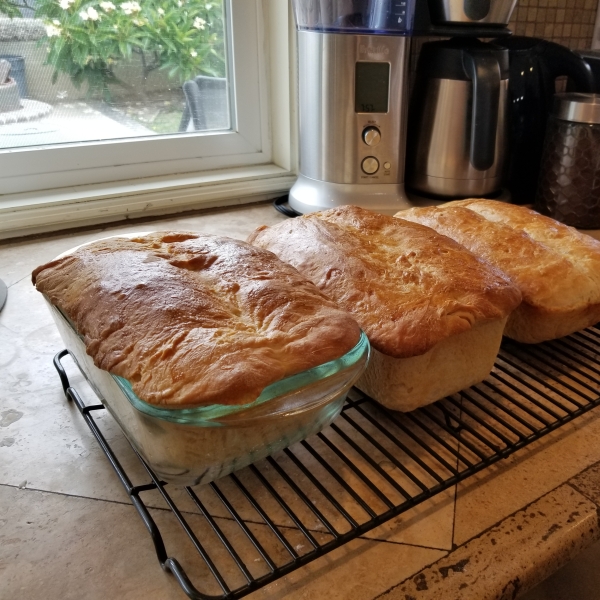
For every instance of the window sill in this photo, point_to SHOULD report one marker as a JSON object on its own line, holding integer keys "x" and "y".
{"x": 32, "y": 213}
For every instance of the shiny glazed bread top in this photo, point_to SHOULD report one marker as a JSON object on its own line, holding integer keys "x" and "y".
{"x": 407, "y": 286}
{"x": 580, "y": 249}
{"x": 192, "y": 319}
{"x": 549, "y": 278}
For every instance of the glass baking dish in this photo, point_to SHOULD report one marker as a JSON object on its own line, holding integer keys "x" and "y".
{"x": 189, "y": 446}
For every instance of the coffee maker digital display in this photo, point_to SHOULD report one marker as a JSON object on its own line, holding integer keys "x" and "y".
{"x": 371, "y": 87}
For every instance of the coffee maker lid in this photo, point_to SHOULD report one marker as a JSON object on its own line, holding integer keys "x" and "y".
{"x": 577, "y": 107}
{"x": 445, "y": 59}
{"x": 383, "y": 17}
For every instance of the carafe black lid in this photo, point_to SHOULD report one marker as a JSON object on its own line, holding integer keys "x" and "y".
{"x": 445, "y": 59}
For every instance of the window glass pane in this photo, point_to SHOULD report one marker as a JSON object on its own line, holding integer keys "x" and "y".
{"x": 84, "y": 71}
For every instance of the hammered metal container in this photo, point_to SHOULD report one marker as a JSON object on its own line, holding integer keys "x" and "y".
{"x": 569, "y": 185}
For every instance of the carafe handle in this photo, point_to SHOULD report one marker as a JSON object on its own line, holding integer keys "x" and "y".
{"x": 484, "y": 72}
{"x": 559, "y": 62}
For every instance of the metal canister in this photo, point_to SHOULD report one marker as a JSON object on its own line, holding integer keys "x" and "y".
{"x": 569, "y": 185}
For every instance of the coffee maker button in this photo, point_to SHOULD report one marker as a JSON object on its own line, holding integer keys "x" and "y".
{"x": 371, "y": 136}
{"x": 370, "y": 165}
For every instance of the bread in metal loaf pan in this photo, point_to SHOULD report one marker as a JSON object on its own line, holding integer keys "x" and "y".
{"x": 192, "y": 319}
{"x": 456, "y": 363}
{"x": 556, "y": 268}
{"x": 409, "y": 288}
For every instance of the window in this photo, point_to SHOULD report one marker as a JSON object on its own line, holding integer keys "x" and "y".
{"x": 140, "y": 145}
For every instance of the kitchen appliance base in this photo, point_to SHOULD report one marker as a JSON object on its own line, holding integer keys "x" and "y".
{"x": 310, "y": 195}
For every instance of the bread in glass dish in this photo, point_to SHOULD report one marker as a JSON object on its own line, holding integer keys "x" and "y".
{"x": 210, "y": 353}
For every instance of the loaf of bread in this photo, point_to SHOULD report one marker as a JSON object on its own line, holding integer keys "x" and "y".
{"x": 556, "y": 268}
{"x": 191, "y": 319}
{"x": 433, "y": 311}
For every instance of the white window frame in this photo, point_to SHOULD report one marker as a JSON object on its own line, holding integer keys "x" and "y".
{"x": 55, "y": 187}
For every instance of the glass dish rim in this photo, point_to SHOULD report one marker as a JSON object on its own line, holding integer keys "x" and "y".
{"x": 208, "y": 414}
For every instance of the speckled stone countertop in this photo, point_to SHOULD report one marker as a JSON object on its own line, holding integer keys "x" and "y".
{"x": 68, "y": 530}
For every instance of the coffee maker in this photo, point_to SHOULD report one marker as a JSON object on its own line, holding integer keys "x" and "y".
{"x": 353, "y": 84}
{"x": 353, "y": 74}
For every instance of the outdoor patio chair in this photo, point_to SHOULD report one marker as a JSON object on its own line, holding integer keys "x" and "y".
{"x": 206, "y": 104}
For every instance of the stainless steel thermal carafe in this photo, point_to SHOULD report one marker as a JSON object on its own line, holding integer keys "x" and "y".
{"x": 457, "y": 123}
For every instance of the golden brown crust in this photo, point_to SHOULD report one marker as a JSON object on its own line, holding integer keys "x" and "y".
{"x": 556, "y": 267}
{"x": 193, "y": 319}
{"x": 407, "y": 286}
{"x": 537, "y": 270}
{"x": 531, "y": 325}
{"x": 582, "y": 250}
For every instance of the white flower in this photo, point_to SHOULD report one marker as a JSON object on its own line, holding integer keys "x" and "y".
{"x": 161, "y": 11}
{"x": 56, "y": 22}
{"x": 208, "y": 6}
{"x": 130, "y": 7}
{"x": 52, "y": 30}
{"x": 138, "y": 22}
{"x": 199, "y": 23}
{"x": 107, "y": 6}
{"x": 193, "y": 53}
{"x": 90, "y": 14}
{"x": 179, "y": 3}
{"x": 65, "y": 4}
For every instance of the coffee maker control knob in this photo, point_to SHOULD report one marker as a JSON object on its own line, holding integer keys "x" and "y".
{"x": 371, "y": 136}
{"x": 370, "y": 165}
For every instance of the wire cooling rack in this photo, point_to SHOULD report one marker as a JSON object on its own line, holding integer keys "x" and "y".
{"x": 248, "y": 529}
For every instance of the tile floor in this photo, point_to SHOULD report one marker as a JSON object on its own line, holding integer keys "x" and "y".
{"x": 67, "y": 529}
